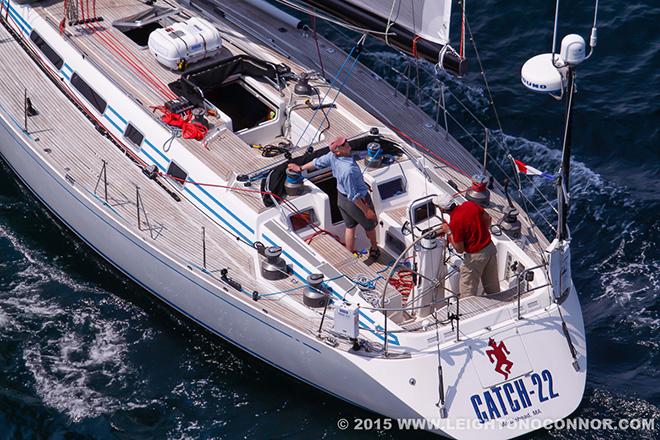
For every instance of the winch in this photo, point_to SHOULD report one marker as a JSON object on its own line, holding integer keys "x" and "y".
{"x": 274, "y": 267}
{"x": 374, "y": 157}
{"x": 478, "y": 192}
{"x": 511, "y": 225}
{"x": 315, "y": 294}
{"x": 302, "y": 87}
{"x": 293, "y": 184}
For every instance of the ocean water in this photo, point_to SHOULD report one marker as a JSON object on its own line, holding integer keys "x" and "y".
{"x": 84, "y": 353}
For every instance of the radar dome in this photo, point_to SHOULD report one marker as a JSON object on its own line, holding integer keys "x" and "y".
{"x": 540, "y": 75}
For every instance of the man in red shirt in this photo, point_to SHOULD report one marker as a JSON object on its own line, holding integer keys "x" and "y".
{"x": 469, "y": 232}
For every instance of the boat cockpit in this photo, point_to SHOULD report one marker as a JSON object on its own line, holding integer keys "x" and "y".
{"x": 253, "y": 116}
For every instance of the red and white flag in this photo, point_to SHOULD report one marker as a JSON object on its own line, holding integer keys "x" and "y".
{"x": 531, "y": 171}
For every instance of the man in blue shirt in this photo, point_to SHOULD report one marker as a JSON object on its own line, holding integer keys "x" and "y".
{"x": 353, "y": 197}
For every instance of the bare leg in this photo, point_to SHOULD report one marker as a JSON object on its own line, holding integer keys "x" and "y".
{"x": 371, "y": 235}
{"x": 349, "y": 239}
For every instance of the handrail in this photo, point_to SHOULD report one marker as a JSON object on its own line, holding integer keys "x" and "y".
{"x": 450, "y": 317}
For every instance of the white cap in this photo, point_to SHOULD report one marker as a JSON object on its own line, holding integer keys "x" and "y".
{"x": 444, "y": 201}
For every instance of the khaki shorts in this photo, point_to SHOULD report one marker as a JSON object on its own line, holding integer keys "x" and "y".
{"x": 480, "y": 266}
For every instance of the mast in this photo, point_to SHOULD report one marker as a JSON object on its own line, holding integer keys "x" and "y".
{"x": 552, "y": 73}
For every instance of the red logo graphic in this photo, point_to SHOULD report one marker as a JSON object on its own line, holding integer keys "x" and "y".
{"x": 497, "y": 354}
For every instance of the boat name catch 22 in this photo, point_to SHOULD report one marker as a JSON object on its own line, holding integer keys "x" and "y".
{"x": 511, "y": 397}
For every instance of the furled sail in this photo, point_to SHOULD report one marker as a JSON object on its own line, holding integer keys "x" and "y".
{"x": 418, "y": 27}
{"x": 428, "y": 19}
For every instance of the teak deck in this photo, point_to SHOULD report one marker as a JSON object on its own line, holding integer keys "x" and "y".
{"x": 75, "y": 149}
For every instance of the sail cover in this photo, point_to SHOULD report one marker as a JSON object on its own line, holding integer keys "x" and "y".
{"x": 428, "y": 19}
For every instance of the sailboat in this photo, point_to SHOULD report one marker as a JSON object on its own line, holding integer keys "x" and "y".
{"x": 161, "y": 134}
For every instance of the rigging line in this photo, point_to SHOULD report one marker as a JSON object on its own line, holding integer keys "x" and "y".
{"x": 339, "y": 90}
{"x": 523, "y": 197}
{"x": 461, "y": 50}
{"x": 288, "y": 204}
{"x": 554, "y": 31}
{"x": 499, "y": 142}
{"x": 99, "y": 32}
{"x": 483, "y": 75}
{"x": 501, "y": 169}
{"x": 441, "y": 387}
{"x": 390, "y": 22}
{"x": 537, "y": 211}
{"x": 530, "y": 224}
{"x": 533, "y": 225}
{"x": 595, "y": 14}
{"x": 135, "y": 62}
{"x": 318, "y": 48}
{"x": 531, "y": 182}
{"x": 303, "y": 286}
{"x": 334, "y": 79}
{"x": 431, "y": 152}
{"x": 414, "y": 47}
{"x": 358, "y": 47}
{"x": 63, "y": 21}
{"x": 467, "y": 132}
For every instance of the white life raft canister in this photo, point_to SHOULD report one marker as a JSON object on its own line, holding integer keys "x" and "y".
{"x": 185, "y": 43}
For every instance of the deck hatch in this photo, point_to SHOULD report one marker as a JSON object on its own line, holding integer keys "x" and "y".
{"x": 195, "y": 84}
{"x": 89, "y": 93}
{"x": 138, "y": 27}
{"x": 140, "y": 35}
{"x": 246, "y": 107}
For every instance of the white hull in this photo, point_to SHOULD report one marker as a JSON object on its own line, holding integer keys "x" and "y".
{"x": 377, "y": 384}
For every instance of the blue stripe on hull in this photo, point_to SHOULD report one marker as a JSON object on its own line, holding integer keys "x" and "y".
{"x": 175, "y": 307}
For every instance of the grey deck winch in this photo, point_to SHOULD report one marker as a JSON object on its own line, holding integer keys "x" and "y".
{"x": 274, "y": 267}
{"x": 315, "y": 295}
